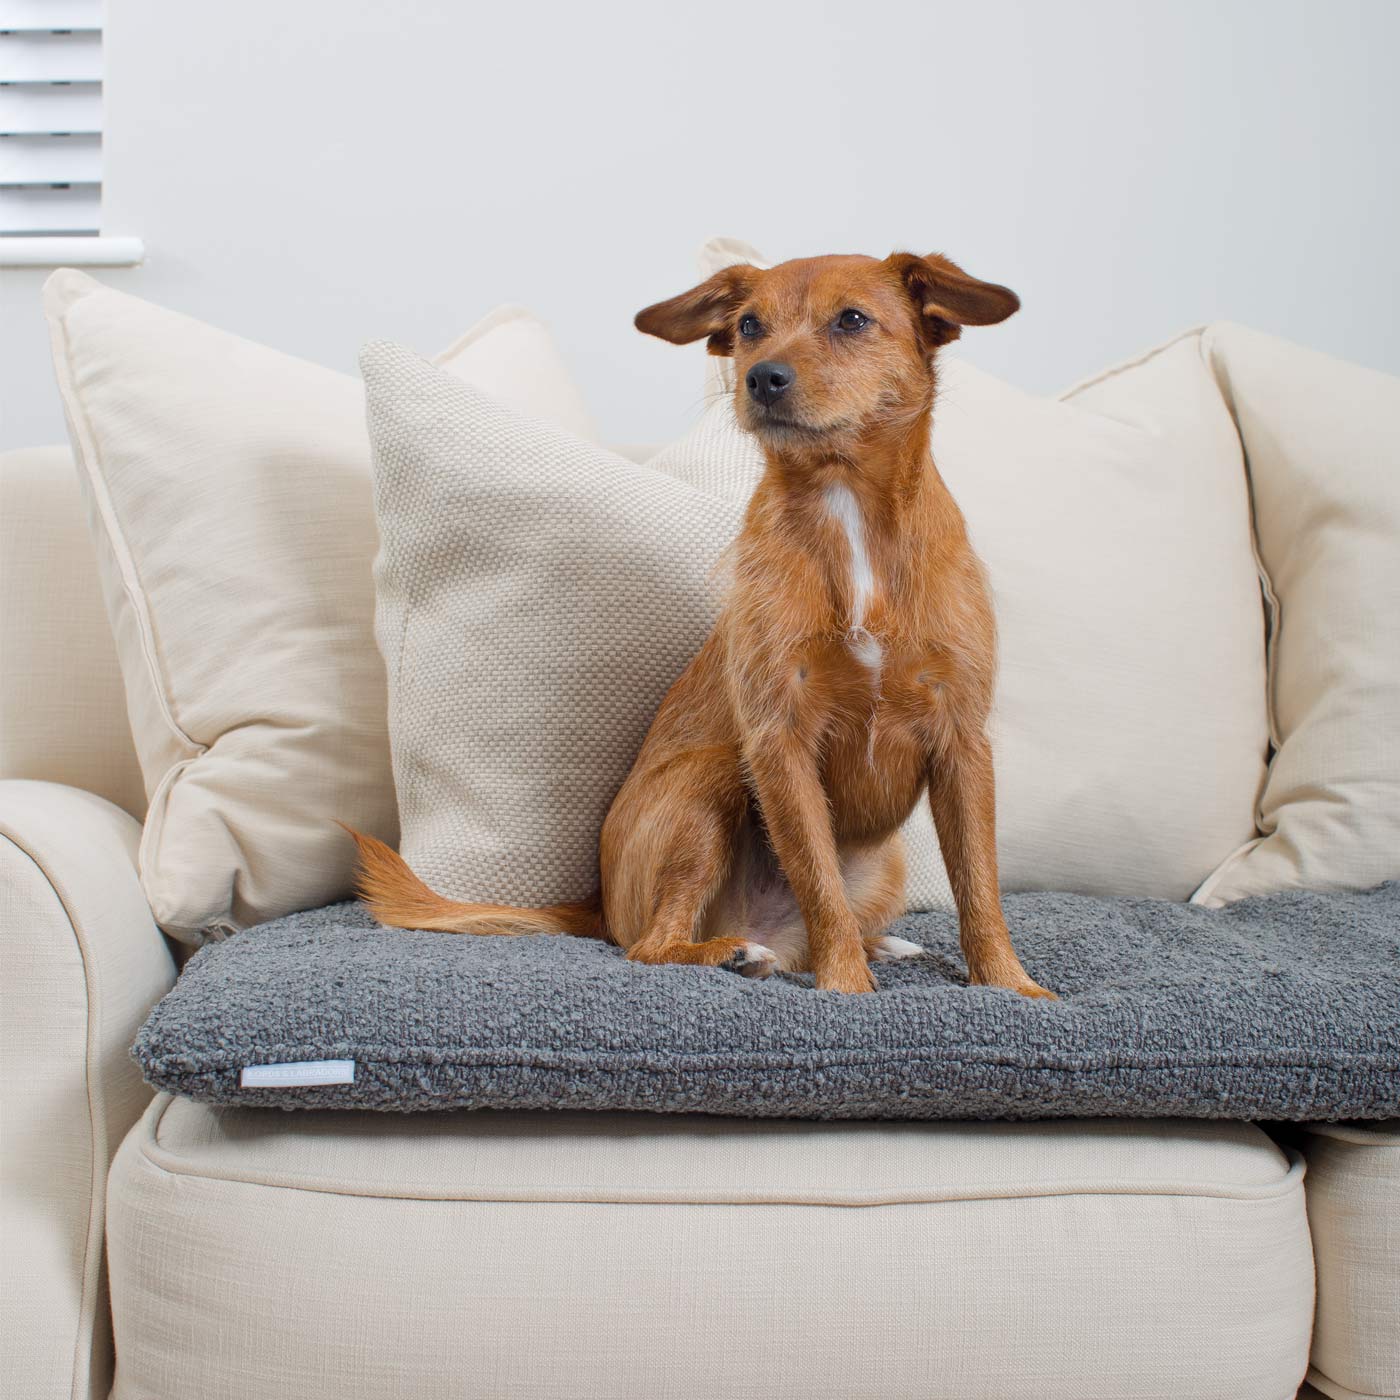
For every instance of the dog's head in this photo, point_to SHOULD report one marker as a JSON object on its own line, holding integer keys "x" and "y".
{"x": 827, "y": 350}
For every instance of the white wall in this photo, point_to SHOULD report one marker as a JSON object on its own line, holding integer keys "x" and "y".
{"x": 315, "y": 173}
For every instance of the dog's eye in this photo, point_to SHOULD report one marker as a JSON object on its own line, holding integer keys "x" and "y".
{"x": 749, "y": 327}
{"x": 852, "y": 320}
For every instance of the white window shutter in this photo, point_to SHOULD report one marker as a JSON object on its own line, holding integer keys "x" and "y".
{"x": 50, "y": 118}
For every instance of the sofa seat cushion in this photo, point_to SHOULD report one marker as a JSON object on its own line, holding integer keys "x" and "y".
{"x": 1353, "y": 1188}
{"x": 1280, "y": 1008}
{"x": 258, "y": 1254}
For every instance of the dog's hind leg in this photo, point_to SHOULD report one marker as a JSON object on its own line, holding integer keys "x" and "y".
{"x": 669, "y": 939}
{"x": 673, "y": 862}
{"x": 875, "y": 879}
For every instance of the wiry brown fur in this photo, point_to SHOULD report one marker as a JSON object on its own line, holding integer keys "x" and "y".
{"x": 759, "y": 826}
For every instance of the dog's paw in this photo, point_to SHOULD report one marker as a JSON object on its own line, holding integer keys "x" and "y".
{"x": 889, "y": 949}
{"x": 751, "y": 960}
{"x": 850, "y": 978}
{"x": 1021, "y": 984}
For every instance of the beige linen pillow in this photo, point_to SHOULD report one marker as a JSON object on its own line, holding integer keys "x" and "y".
{"x": 511, "y": 355}
{"x": 1130, "y": 728}
{"x": 228, "y": 491}
{"x": 1322, "y": 439}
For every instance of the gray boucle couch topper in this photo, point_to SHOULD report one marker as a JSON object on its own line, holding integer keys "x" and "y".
{"x": 1278, "y": 1008}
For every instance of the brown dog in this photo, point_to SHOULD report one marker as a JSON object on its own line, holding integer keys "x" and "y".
{"x": 850, "y": 671}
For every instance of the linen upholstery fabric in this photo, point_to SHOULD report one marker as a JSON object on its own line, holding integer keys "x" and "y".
{"x": 1322, "y": 439}
{"x": 467, "y": 1255}
{"x": 1353, "y": 1192}
{"x": 83, "y": 964}
{"x": 228, "y": 493}
{"x": 1279, "y": 1008}
{"x": 62, "y": 710}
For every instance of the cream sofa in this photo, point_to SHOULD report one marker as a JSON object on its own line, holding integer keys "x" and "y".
{"x": 239, "y": 1255}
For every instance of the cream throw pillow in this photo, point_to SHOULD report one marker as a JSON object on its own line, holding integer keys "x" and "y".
{"x": 229, "y": 495}
{"x": 1130, "y": 728}
{"x": 1322, "y": 438}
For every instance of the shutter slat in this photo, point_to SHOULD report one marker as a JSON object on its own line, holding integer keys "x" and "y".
{"x": 50, "y": 118}
{"x": 34, "y": 212}
{"x": 48, "y": 108}
{"x": 50, "y": 160}
{"x": 51, "y": 58}
{"x": 51, "y": 14}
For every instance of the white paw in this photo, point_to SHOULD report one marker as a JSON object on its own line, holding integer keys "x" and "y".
{"x": 753, "y": 960}
{"x": 888, "y": 949}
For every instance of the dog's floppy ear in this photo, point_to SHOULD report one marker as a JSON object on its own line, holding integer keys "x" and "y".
{"x": 704, "y": 311}
{"x": 947, "y": 298}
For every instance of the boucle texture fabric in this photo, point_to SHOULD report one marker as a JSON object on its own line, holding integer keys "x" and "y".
{"x": 1280, "y": 1008}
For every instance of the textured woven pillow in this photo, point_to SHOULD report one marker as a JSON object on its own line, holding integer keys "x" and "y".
{"x": 537, "y": 597}
{"x": 228, "y": 492}
{"x": 1281, "y": 1008}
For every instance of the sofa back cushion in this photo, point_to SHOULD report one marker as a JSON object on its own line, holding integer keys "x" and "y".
{"x": 1129, "y": 728}
{"x": 228, "y": 492}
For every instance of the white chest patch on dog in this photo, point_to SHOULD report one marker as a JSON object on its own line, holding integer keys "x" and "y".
{"x": 845, "y": 511}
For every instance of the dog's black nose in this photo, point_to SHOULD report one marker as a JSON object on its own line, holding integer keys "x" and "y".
{"x": 769, "y": 380}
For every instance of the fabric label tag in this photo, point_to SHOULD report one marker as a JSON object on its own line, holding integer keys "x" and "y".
{"x": 299, "y": 1074}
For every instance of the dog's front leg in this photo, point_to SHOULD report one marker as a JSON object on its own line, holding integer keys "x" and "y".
{"x": 798, "y": 819}
{"x": 962, "y": 794}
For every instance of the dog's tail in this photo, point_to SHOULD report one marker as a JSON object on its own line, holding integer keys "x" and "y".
{"x": 397, "y": 897}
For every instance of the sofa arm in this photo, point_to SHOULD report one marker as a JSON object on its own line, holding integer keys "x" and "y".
{"x": 81, "y": 963}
